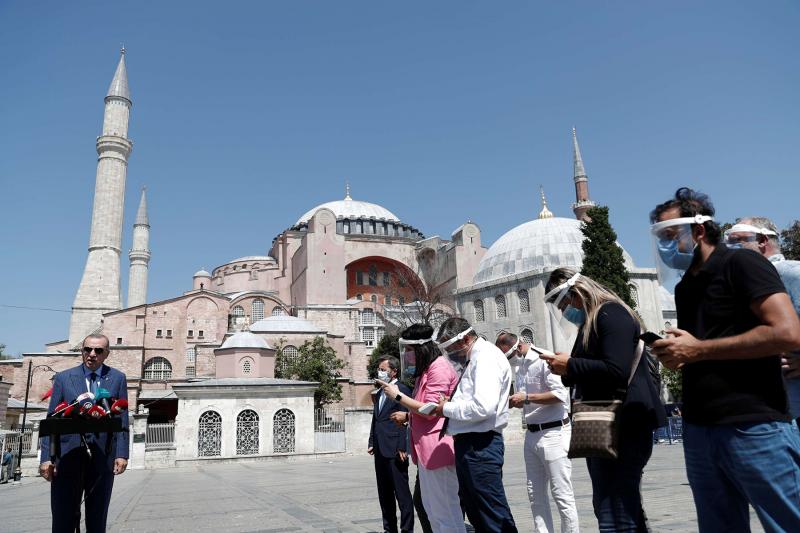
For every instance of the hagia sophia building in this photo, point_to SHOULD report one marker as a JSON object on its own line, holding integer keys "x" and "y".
{"x": 346, "y": 270}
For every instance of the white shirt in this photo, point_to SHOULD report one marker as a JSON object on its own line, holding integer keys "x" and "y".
{"x": 533, "y": 377}
{"x": 480, "y": 403}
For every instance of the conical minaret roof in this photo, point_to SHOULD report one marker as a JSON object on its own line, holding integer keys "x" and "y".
{"x": 577, "y": 160}
{"x": 119, "y": 85}
{"x": 141, "y": 213}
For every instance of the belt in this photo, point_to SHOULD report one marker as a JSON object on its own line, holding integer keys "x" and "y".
{"x": 547, "y": 425}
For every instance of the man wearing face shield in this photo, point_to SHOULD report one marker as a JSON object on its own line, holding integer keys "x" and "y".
{"x": 476, "y": 414}
{"x": 761, "y": 235}
{"x": 740, "y": 445}
{"x": 544, "y": 400}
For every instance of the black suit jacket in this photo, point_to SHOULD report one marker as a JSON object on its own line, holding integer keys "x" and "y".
{"x": 385, "y": 437}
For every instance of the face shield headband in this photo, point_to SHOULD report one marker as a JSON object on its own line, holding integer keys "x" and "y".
{"x": 733, "y": 240}
{"x": 658, "y": 227}
{"x": 445, "y": 344}
{"x": 674, "y": 248}
{"x": 512, "y": 349}
{"x": 561, "y": 291}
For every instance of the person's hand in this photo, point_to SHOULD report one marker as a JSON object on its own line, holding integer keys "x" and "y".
{"x": 790, "y": 364}
{"x": 399, "y": 417}
{"x": 370, "y": 450}
{"x": 556, "y": 363}
{"x": 680, "y": 348}
{"x": 439, "y": 411}
{"x": 517, "y": 400}
{"x": 401, "y": 454}
{"x": 391, "y": 391}
{"x": 47, "y": 470}
{"x": 120, "y": 464}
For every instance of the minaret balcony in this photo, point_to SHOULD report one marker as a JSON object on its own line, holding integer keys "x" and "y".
{"x": 114, "y": 143}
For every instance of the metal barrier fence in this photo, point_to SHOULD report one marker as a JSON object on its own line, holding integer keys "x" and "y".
{"x": 27, "y": 436}
{"x": 329, "y": 433}
{"x": 160, "y": 436}
{"x": 672, "y": 432}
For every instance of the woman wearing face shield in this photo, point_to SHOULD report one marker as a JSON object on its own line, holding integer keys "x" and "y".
{"x": 432, "y": 454}
{"x": 598, "y": 368}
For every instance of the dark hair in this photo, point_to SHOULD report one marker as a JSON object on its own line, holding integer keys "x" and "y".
{"x": 426, "y": 353}
{"x": 452, "y": 327}
{"x": 394, "y": 362}
{"x": 690, "y": 203}
{"x": 97, "y": 336}
{"x": 505, "y": 339}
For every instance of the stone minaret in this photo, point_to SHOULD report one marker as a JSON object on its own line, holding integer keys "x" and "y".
{"x": 582, "y": 201}
{"x": 100, "y": 291}
{"x": 139, "y": 256}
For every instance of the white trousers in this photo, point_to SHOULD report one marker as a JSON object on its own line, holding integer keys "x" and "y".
{"x": 439, "y": 489}
{"x": 547, "y": 466}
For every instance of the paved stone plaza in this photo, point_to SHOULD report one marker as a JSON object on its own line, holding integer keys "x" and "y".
{"x": 323, "y": 494}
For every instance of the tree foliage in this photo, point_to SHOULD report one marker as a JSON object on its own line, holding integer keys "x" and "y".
{"x": 386, "y": 346}
{"x": 790, "y": 241}
{"x": 672, "y": 380}
{"x": 316, "y": 361}
{"x": 602, "y": 256}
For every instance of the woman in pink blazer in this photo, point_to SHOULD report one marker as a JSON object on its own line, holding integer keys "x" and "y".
{"x": 432, "y": 454}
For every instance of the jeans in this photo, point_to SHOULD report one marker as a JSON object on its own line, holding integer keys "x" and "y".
{"x": 729, "y": 466}
{"x": 616, "y": 484}
{"x": 479, "y": 466}
{"x": 549, "y": 469}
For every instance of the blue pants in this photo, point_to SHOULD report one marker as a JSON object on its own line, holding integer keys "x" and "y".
{"x": 479, "y": 466}
{"x": 80, "y": 476}
{"x": 730, "y": 466}
{"x": 616, "y": 484}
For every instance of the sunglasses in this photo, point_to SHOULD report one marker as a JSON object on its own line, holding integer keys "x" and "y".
{"x": 89, "y": 349}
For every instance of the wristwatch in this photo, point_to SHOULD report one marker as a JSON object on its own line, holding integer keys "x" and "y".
{"x": 398, "y": 397}
{"x": 527, "y": 401}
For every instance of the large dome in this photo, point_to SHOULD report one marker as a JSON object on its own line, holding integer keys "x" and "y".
{"x": 349, "y": 208}
{"x": 536, "y": 246}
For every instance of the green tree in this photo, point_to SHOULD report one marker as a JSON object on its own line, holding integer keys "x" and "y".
{"x": 672, "y": 380}
{"x": 790, "y": 241}
{"x": 602, "y": 256}
{"x": 386, "y": 346}
{"x": 316, "y": 361}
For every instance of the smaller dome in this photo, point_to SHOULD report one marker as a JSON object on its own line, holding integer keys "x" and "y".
{"x": 245, "y": 339}
{"x": 285, "y": 324}
{"x": 202, "y": 273}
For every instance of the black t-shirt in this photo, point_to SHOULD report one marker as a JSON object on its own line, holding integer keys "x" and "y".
{"x": 715, "y": 303}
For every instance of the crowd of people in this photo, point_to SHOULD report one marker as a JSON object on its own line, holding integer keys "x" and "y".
{"x": 737, "y": 301}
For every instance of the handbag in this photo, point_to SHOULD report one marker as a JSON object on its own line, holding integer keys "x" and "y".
{"x": 595, "y": 424}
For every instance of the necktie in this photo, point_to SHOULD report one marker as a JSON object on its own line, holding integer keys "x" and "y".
{"x": 381, "y": 399}
{"x": 443, "y": 431}
{"x": 93, "y": 382}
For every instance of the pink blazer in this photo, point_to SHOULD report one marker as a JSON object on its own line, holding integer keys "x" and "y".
{"x": 427, "y": 448}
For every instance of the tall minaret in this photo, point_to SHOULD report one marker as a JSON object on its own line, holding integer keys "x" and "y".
{"x": 100, "y": 290}
{"x": 582, "y": 201}
{"x": 139, "y": 256}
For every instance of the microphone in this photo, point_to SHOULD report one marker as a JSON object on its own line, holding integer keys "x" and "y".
{"x": 96, "y": 412}
{"x": 119, "y": 406}
{"x": 79, "y": 399}
{"x": 60, "y": 408}
{"x": 102, "y": 397}
{"x": 86, "y": 403}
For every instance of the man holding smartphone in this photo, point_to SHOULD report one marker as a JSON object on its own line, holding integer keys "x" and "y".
{"x": 545, "y": 403}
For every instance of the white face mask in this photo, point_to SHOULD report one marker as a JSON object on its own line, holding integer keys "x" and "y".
{"x": 383, "y": 375}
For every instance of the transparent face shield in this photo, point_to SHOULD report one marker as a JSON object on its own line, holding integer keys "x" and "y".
{"x": 674, "y": 248}
{"x": 565, "y": 320}
{"x": 513, "y": 355}
{"x": 746, "y": 236}
{"x": 456, "y": 352}
{"x": 408, "y": 357}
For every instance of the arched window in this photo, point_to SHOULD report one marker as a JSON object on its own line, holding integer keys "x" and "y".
{"x": 209, "y": 435}
{"x": 258, "y": 309}
{"x": 157, "y": 368}
{"x": 524, "y": 301}
{"x": 283, "y": 432}
{"x": 237, "y": 311}
{"x": 278, "y": 311}
{"x": 500, "y": 305}
{"x": 367, "y": 317}
{"x": 479, "y": 316}
{"x": 373, "y": 275}
{"x": 374, "y": 298}
{"x": 359, "y": 297}
{"x": 526, "y": 335}
{"x": 191, "y": 360}
{"x": 401, "y": 300}
{"x": 247, "y": 366}
{"x": 289, "y": 354}
{"x": 247, "y": 433}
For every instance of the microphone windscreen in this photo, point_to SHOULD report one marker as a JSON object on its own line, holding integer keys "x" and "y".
{"x": 119, "y": 406}
{"x": 97, "y": 412}
{"x": 60, "y": 408}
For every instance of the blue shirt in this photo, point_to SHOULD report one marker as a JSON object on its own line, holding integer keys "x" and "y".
{"x": 87, "y": 374}
{"x": 789, "y": 271}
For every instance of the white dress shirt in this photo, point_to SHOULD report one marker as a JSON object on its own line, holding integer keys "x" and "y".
{"x": 480, "y": 403}
{"x": 533, "y": 377}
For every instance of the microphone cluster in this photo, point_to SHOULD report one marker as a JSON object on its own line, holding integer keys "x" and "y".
{"x": 91, "y": 406}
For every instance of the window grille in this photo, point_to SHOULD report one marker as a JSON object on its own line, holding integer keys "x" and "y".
{"x": 524, "y": 301}
{"x": 191, "y": 354}
{"x": 500, "y": 304}
{"x": 479, "y": 316}
{"x": 278, "y": 311}
{"x": 247, "y": 366}
{"x": 283, "y": 432}
{"x": 247, "y": 433}
{"x": 209, "y": 435}
{"x": 289, "y": 354}
{"x": 258, "y": 310}
{"x": 527, "y": 336}
{"x": 157, "y": 368}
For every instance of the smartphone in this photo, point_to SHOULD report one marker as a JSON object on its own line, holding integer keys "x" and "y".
{"x": 541, "y": 351}
{"x": 649, "y": 337}
{"x": 427, "y": 409}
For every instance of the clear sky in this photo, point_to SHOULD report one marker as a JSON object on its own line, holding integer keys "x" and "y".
{"x": 247, "y": 114}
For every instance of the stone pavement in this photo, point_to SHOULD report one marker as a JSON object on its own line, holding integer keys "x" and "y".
{"x": 330, "y": 494}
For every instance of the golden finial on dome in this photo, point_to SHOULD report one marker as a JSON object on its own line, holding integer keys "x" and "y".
{"x": 347, "y": 190}
{"x": 544, "y": 213}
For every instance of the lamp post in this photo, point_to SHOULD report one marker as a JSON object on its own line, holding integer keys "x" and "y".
{"x": 31, "y": 368}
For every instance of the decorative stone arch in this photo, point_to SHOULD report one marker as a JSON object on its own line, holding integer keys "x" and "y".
{"x": 401, "y": 280}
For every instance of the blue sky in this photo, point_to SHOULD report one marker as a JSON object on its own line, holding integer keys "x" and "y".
{"x": 246, "y": 115}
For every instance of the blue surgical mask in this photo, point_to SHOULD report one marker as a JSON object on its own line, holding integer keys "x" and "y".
{"x": 383, "y": 375}
{"x": 575, "y": 315}
{"x": 408, "y": 372}
{"x": 735, "y": 246}
{"x": 672, "y": 256}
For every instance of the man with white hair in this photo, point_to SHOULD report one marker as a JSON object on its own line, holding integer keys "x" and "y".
{"x": 761, "y": 235}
